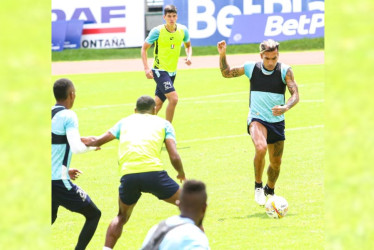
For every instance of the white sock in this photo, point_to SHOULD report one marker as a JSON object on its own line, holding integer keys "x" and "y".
{"x": 106, "y": 248}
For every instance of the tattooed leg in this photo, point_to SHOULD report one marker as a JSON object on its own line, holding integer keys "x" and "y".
{"x": 275, "y": 157}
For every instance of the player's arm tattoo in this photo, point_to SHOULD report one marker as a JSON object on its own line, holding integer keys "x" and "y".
{"x": 292, "y": 88}
{"x": 228, "y": 72}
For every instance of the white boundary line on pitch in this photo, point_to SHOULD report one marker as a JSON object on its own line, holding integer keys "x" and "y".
{"x": 234, "y": 136}
{"x": 199, "y": 98}
{"x": 183, "y": 101}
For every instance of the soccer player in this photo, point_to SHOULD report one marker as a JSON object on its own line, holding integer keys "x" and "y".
{"x": 268, "y": 80}
{"x": 65, "y": 141}
{"x": 141, "y": 136}
{"x": 167, "y": 39}
{"x": 182, "y": 231}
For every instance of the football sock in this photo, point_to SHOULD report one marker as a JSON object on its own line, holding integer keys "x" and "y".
{"x": 107, "y": 248}
{"x": 258, "y": 185}
{"x": 92, "y": 214}
{"x": 268, "y": 190}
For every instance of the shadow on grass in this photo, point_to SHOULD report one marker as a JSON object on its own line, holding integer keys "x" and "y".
{"x": 255, "y": 215}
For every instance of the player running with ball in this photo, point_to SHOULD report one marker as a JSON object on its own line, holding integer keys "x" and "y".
{"x": 268, "y": 80}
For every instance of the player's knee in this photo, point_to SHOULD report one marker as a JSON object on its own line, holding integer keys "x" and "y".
{"x": 159, "y": 105}
{"x": 173, "y": 100}
{"x": 98, "y": 214}
{"x": 122, "y": 218}
{"x": 91, "y": 212}
{"x": 261, "y": 149}
{"x": 275, "y": 163}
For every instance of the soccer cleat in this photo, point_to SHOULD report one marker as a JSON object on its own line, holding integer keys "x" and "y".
{"x": 268, "y": 191}
{"x": 260, "y": 196}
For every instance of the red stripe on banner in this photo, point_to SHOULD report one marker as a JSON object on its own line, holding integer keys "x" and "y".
{"x": 104, "y": 30}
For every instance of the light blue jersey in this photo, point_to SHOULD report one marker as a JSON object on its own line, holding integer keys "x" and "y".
{"x": 267, "y": 90}
{"x": 62, "y": 122}
{"x": 186, "y": 236}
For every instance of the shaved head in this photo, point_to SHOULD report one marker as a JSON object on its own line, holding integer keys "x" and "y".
{"x": 193, "y": 200}
{"x": 145, "y": 104}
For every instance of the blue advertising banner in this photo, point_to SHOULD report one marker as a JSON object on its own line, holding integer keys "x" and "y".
{"x": 73, "y": 34}
{"x": 58, "y": 35}
{"x": 256, "y": 28}
{"x": 210, "y": 21}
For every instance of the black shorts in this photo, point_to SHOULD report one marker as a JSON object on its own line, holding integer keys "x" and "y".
{"x": 165, "y": 83}
{"x": 74, "y": 199}
{"x": 157, "y": 183}
{"x": 275, "y": 130}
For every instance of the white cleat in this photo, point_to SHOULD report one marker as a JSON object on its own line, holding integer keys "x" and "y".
{"x": 260, "y": 196}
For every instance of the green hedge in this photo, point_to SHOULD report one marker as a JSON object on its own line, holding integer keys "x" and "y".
{"x": 103, "y": 54}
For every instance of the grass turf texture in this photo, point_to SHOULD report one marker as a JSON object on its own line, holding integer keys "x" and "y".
{"x": 210, "y": 123}
{"x": 102, "y": 54}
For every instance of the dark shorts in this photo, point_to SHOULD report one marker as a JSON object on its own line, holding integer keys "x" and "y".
{"x": 74, "y": 199}
{"x": 157, "y": 183}
{"x": 165, "y": 83}
{"x": 275, "y": 130}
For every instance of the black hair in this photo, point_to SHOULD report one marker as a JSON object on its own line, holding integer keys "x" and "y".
{"x": 145, "y": 103}
{"x": 170, "y": 9}
{"x": 61, "y": 88}
{"x": 191, "y": 187}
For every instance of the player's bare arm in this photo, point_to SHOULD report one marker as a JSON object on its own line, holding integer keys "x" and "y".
{"x": 98, "y": 140}
{"x": 292, "y": 88}
{"x": 293, "y": 100}
{"x": 147, "y": 70}
{"x": 175, "y": 159}
{"x": 188, "y": 49}
{"x": 226, "y": 70}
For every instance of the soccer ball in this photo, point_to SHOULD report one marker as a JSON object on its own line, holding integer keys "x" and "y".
{"x": 276, "y": 207}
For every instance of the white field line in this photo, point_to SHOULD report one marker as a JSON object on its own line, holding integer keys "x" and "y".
{"x": 182, "y": 101}
{"x": 241, "y": 135}
{"x": 190, "y": 99}
{"x": 234, "y": 136}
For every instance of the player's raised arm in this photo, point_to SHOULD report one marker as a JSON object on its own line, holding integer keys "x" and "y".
{"x": 226, "y": 71}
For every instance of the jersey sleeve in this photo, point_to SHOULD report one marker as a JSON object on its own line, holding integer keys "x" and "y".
{"x": 186, "y": 34}
{"x": 116, "y": 129}
{"x": 248, "y": 68}
{"x": 153, "y": 35}
{"x": 169, "y": 131}
{"x": 284, "y": 69}
{"x": 71, "y": 120}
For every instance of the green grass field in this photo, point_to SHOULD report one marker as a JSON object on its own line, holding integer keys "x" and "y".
{"x": 210, "y": 124}
{"x": 128, "y": 53}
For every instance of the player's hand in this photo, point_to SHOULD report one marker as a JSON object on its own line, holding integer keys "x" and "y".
{"x": 148, "y": 73}
{"x": 188, "y": 61}
{"x": 87, "y": 140}
{"x": 181, "y": 177}
{"x": 221, "y": 46}
{"x": 279, "y": 110}
{"x": 74, "y": 173}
